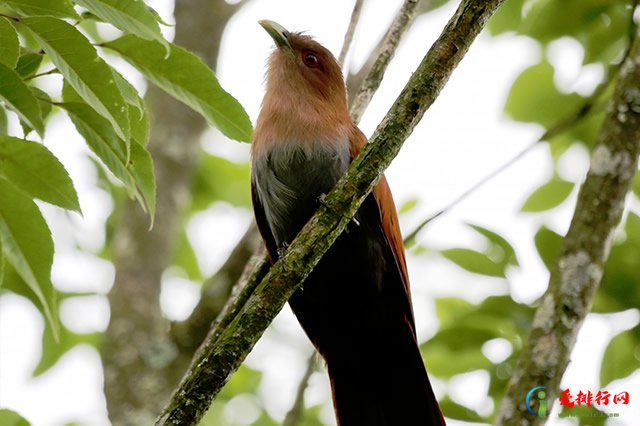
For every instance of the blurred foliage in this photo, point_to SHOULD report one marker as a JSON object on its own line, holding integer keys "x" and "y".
{"x": 603, "y": 28}
{"x": 457, "y": 346}
{"x": 497, "y": 257}
{"x": 243, "y": 386}
{"x": 11, "y": 418}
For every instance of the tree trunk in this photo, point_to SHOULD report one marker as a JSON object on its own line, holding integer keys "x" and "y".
{"x": 138, "y": 350}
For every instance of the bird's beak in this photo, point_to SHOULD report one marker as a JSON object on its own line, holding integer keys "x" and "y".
{"x": 277, "y": 32}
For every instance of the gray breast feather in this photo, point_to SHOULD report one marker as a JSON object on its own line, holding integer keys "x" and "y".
{"x": 288, "y": 182}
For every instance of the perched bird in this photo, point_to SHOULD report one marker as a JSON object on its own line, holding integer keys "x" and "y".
{"x": 355, "y": 306}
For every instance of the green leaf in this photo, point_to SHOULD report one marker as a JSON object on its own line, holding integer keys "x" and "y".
{"x": 138, "y": 115}
{"x": 456, "y": 411}
{"x": 1, "y": 264}
{"x": 28, "y": 63}
{"x": 245, "y": 380}
{"x": 619, "y": 289}
{"x": 11, "y": 418}
{"x": 548, "y": 244}
{"x": 622, "y": 356}
{"x": 140, "y": 125}
{"x": 100, "y": 137}
{"x": 218, "y": 179}
{"x": 507, "y": 18}
{"x": 136, "y": 174}
{"x": 474, "y": 261}
{"x": 430, "y": 6}
{"x": 602, "y": 26}
{"x": 130, "y": 94}
{"x": 500, "y": 247}
{"x": 18, "y": 97}
{"x": 33, "y": 169}
{"x": 449, "y": 309}
{"x": 83, "y": 69}
{"x": 53, "y": 350}
{"x": 607, "y": 35}
{"x": 184, "y": 76}
{"x": 535, "y": 98}
{"x": 158, "y": 18}
{"x": 445, "y": 363}
{"x": 130, "y": 16}
{"x": 4, "y": 124}
{"x": 44, "y": 100}
{"x": 141, "y": 168}
{"x": 9, "y": 45}
{"x": 27, "y": 245}
{"x": 185, "y": 257}
{"x": 548, "y": 196}
{"x": 55, "y": 8}
{"x": 407, "y": 206}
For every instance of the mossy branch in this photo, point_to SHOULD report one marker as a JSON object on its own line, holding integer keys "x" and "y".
{"x": 577, "y": 272}
{"x": 226, "y": 348}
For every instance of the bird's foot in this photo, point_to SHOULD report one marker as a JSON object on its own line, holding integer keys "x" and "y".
{"x": 322, "y": 200}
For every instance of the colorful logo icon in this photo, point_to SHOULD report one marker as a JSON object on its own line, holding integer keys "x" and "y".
{"x": 540, "y": 395}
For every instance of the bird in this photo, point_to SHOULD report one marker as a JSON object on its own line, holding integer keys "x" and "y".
{"x": 355, "y": 306}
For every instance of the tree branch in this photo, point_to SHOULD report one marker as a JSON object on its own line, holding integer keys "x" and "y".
{"x": 222, "y": 353}
{"x": 189, "y": 334}
{"x": 348, "y": 36}
{"x": 296, "y": 413}
{"x": 577, "y": 272}
{"x": 384, "y": 54}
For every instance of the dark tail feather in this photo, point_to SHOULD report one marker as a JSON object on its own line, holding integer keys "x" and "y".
{"x": 387, "y": 386}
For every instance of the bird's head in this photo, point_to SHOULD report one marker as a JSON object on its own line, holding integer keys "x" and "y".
{"x": 301, "y": 67}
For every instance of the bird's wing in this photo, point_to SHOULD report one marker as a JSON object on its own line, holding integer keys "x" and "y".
{"x": 388, "y": 213}
{"x": 263, "y": 226}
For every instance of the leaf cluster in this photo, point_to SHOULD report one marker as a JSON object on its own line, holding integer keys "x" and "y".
{"x": 60, "y": 38}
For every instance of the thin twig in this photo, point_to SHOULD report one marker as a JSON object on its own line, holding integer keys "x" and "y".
{"x": 348, "y": 36}
{"x": 385, "y": 53}
{"x": 42, "y": 74}
{"x": 553, "y": 131}
{"x": 226, "y": 348}
{"x": 296, "y": 414}
{"x": 217, "y": 290}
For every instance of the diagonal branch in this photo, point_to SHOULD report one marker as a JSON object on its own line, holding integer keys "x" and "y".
{"x": 216, "y": 290}
{"x": 348, "y": 36}
{"x": 576, "y": 275}
{"x": 384, "y": 54}
{"x": 222, "y": 353}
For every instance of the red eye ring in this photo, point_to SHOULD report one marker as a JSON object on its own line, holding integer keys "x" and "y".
{"x": 310, "y": 59}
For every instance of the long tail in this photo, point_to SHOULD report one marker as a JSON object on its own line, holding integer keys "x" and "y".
{"x": 385, "y": 386}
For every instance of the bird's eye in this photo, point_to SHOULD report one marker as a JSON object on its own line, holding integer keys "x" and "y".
{"x": 310, "y": 59}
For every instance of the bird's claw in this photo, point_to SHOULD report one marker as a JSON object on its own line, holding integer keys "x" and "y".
{"x": 322, "y": 200}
